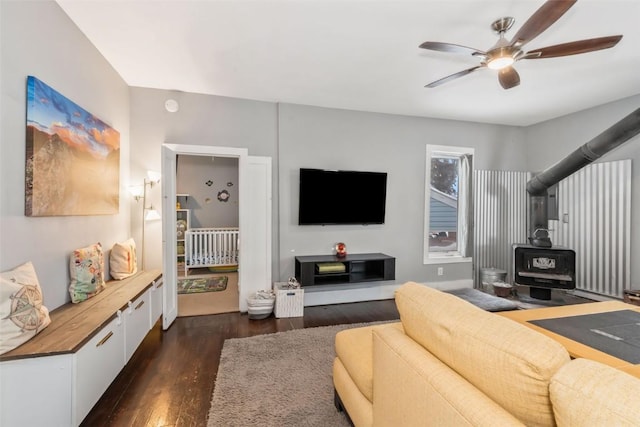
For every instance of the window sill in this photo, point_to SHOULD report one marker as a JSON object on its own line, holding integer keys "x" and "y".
{"x": 447, "y": 259}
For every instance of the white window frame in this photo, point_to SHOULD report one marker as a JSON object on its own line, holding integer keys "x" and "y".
{"x": 450, "y": 256}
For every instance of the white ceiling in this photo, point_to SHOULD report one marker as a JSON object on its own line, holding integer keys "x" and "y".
{"x": 362, "y": 54}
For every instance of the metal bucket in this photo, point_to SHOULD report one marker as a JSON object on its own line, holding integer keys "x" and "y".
{"x": 490, "y": 275}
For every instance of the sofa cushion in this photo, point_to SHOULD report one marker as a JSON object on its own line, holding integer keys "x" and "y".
{"x": 122, "y": 260}
{"x": 86, "y": 268}
{"x": 22, "y": 312}
{"x": 354, "y": 348}
{"x": 412, "y": 387}
{"x": 588, "y": 393}
{"x": 509, "y": 362}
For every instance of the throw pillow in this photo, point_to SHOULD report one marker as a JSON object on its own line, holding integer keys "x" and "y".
{"x": 87, "y": 272}
{"x": 22, "y": 314}
{"x": 122, "y": 260}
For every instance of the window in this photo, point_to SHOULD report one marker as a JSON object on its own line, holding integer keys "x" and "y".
{"x": 448, "y": 204}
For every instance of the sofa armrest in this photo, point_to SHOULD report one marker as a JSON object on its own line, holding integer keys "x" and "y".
{"x": 588, "y": 393}
{"x": 412, "y": 387}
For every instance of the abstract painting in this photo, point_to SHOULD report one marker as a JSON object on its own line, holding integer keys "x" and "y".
{"x": 72, "y": 157}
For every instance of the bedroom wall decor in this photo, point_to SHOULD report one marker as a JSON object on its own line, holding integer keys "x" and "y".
{"x": 223, "y": 196}
{"x": 72, "y": 157}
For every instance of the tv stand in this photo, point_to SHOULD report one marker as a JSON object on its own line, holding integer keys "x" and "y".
{"x": 354, "y": 268}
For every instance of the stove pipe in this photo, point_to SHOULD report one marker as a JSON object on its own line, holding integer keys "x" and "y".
{"x": 537, "y": 186}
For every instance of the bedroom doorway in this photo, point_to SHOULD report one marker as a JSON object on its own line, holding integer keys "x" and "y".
{"x": 207, "y": 209}
{"x": 254, "y": 221}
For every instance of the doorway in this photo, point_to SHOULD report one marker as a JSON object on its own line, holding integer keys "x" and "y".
{"x": 207, "y": 200}
{"x": 254, "y": 219}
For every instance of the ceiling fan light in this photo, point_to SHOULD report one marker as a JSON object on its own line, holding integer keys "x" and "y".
{"x": 500, "y": 62}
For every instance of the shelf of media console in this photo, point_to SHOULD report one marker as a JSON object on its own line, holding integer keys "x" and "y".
{"x": 358, "y": 268}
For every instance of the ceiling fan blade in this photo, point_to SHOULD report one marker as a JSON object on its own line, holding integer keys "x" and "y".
{"x": 542, "y": 19}
{"x": 574, "y": 48}
{"x": 453, "y": 76}
{"x": 451, "y": 48}
{"x": 508, "y": 77}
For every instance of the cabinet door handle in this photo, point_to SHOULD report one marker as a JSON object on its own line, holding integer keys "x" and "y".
{"x": 105, "y": 339}
{"x": 159, "y": 284}
{"x": 140, "y": 304}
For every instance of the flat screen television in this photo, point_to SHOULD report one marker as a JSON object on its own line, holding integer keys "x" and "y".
{"x": 341, "y": 197}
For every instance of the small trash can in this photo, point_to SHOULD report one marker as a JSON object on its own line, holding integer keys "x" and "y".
{"x": 502, "y": 289}
{"x": 260, "y": 304}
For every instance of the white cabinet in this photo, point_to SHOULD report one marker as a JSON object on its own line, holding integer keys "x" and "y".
{"x": 57, "y": 377}
{"x": 36, "y": 391}
{"x": 61, "y": 390}
{"x": 97, "y": 363}
{"x": 136, "y": 323}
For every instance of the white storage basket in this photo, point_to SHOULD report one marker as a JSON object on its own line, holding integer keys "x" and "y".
{"x": 260, "y": 305}
{"x": 289, "y": 302}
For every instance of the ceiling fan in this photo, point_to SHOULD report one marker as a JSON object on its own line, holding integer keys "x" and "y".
{"x": 504, "y": 53}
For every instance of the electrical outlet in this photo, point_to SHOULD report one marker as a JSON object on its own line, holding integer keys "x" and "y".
{"x": 440, "y": 271}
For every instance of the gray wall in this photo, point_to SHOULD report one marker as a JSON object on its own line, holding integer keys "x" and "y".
{"x": 294, "y": 136}
{"x": 201, "y": 120}
{"x": 340, "y": 139}
{"x": 39, "y": 39}
{"x": 202, "y": 179}
{"x": 548, "y": 142}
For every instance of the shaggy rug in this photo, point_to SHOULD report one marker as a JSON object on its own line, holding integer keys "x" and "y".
{"x": 277, "y": 380}
{"x": 202, "y": 284}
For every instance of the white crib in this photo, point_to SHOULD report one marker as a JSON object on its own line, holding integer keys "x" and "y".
{"x": 210, "y": 247}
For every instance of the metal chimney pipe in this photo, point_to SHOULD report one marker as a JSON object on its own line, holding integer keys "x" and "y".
{"x": 537, "y": 186}
{"x": 611, "y": 138}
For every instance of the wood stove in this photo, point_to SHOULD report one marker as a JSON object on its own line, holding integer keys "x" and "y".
{"x": 540, "y": 265}
{"x": 544, "y": 269}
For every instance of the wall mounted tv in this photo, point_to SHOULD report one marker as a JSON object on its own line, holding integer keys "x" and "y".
{"x": 341, "y": 197}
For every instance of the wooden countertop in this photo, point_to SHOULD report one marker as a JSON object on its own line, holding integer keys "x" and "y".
{"x": 72, "y": 325}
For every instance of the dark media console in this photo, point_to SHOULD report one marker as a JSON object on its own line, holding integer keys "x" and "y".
{"x": 328, "y": 269}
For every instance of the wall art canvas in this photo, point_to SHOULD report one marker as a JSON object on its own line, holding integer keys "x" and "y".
{"x": 73, "y": 158}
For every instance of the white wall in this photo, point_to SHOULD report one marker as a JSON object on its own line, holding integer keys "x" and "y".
{"x": 546, "y": 143}
{"x": 39, "y": 39}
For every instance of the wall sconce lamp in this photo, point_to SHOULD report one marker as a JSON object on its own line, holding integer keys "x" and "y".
{"x": 139, "y": 192}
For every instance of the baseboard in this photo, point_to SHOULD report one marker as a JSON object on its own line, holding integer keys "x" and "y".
{"x": 314, "y": 295}
{"x": 340, "y": 294}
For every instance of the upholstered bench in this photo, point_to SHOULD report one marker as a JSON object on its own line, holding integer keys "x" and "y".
{"x": 67, "y": 366}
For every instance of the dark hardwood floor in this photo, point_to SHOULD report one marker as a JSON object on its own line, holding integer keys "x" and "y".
{"x": 169, "y": 380}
